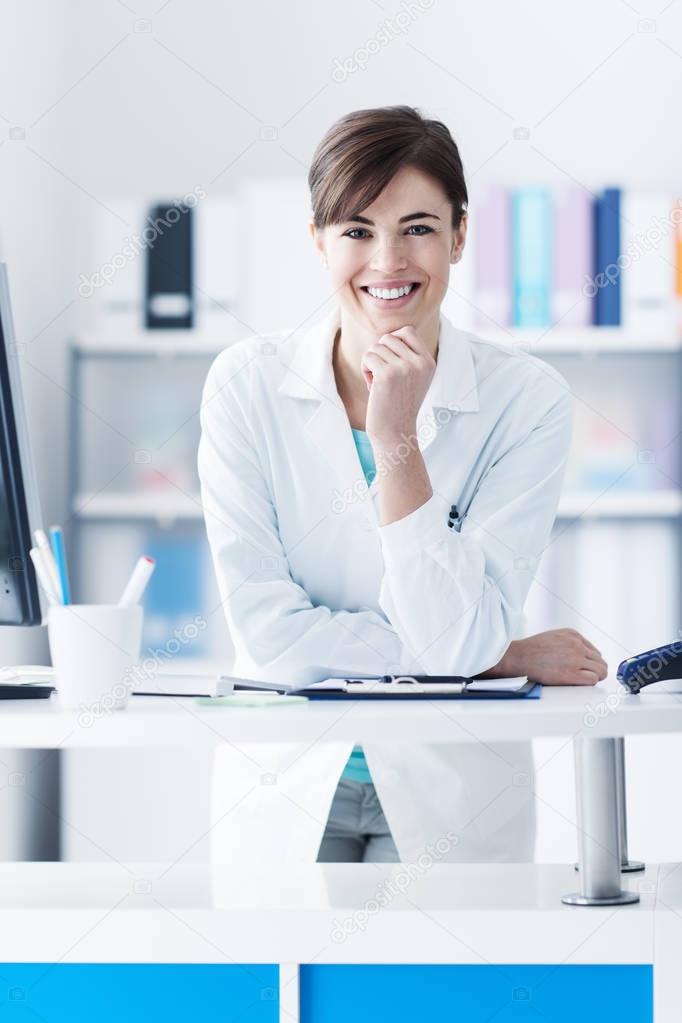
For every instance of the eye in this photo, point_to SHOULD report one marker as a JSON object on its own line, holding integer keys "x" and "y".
{"x": 354, "y": 232}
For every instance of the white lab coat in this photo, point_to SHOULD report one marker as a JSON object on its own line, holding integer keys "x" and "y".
{"x": 312, "y": 585}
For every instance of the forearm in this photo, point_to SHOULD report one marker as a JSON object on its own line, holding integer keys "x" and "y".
{"x": 436, "y": 591}
{"x": 404, "y": 483}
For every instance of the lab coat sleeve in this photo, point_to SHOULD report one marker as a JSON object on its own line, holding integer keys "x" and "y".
{"x": 274, "y": 626}
{"x": 456, "y": 598}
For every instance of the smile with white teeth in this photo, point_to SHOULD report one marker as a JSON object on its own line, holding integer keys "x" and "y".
{"x": 388, "y": 293}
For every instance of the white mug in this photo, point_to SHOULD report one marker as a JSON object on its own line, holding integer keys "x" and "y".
{"x": 94, "y": 648}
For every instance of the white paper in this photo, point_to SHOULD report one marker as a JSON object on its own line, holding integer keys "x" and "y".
{"x": 484, "y": 685}
{"x": 498, "y": 685}
{"x": 21, "y": 681}
{"x": 405, "y": 689}
{"x": 338, "y": 683}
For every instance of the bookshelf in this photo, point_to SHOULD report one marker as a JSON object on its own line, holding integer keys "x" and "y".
{"x": 548, "y": 340}
{"x": 168, "y": 508}
{"x": 133, "y": 486}
{"x": 540, "y": 340}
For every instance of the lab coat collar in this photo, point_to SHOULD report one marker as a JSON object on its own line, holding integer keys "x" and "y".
{"x": 310, "y": 372}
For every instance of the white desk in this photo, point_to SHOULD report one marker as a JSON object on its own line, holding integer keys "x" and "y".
{"x": 596, "y": 718}
{"x": 601, "y": 711}
{"x": 293, "y": 915}
{"x": 454, "y": 914}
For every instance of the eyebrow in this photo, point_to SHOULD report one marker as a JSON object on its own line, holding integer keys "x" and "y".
{"x": 410, "y": 216}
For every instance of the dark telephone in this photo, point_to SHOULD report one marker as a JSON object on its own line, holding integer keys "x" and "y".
{"x": 657, "y": 665}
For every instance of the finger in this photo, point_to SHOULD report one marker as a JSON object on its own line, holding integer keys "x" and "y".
{"x": 590, "y": 656}
{"x": 373, "y": 362}
{"x": 389, "y": 354}
{"x": 597, "y": 664}
{"x": 587, "y": 677}
{"x": 589, "y": 645}
{"x": 396, "y": 345}
{"x": 411, "y": 338}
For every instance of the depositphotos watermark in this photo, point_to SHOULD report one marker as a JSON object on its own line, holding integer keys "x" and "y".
{"x": 137, "y": 243}
{"x": 392, "y": 888}
{"x": 145, "y": 671}
{"x": 656, "y": 231}
{"x": 388, "y": 28}
{"x": 594, "y": 713}
{"x": 396, "y": 456}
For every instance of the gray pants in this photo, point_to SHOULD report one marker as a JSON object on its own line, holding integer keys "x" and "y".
{"x": 357, "y": 831}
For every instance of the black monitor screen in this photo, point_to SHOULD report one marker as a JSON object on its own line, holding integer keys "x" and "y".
{"x": 19, "y": 601}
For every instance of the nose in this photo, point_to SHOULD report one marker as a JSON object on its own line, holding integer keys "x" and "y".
{"x": 388, "y": 255}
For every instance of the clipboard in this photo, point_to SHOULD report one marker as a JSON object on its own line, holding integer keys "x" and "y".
{"x": 530, "y": 690}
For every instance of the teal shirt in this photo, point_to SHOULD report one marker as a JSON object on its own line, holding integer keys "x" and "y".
{"x": 356, "y": 768}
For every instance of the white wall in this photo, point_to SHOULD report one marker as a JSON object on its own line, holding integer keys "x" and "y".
{"x": 194, "y": 100}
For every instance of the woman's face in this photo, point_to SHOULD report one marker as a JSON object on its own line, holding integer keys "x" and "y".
{"x": 404, "y": 238}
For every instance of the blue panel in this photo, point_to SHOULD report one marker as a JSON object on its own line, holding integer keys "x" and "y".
{"x": 476, "y": 994}
{"x": 137, "y": 992}
{"x": 175, "y": 596}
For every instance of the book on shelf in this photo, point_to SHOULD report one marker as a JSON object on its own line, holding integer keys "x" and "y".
{"x": 572, "y": 257}
{"x": 606, "y": 272}
{"x": 648, "y": 277}
{"x": 531, "y": 257}
{"x": 491, "y": 257}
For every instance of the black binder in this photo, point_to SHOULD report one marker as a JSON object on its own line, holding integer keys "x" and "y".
{"x": 25, "y": 692}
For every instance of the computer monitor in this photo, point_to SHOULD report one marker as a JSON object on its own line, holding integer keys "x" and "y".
{"x": 19, "y": 503}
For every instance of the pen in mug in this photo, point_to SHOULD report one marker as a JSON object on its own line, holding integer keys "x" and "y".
{"x": 43, "y": 574}
{"x": 59, "y": 552}
{"x": 43, "y": 545}
{"x": 137, "y": 582}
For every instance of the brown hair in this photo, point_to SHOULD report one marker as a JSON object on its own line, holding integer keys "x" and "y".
{"x": 363, "y": 150}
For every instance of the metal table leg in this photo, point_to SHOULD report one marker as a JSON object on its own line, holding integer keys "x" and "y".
{"x": 627, "y": 866}
{"x": 598, "y": 825}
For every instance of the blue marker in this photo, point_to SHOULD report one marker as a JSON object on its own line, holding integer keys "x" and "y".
{"x": 57, "y": 539}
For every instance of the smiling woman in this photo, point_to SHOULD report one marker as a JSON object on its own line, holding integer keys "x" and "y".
{"x": 327, "y": 474}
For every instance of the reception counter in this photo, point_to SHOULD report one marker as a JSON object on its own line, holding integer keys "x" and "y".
{"x": 335, "y": 942}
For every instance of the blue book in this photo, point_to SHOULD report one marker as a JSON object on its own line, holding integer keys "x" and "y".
{"x": 531, "y": 257}
{"x": 606, "y": 272}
